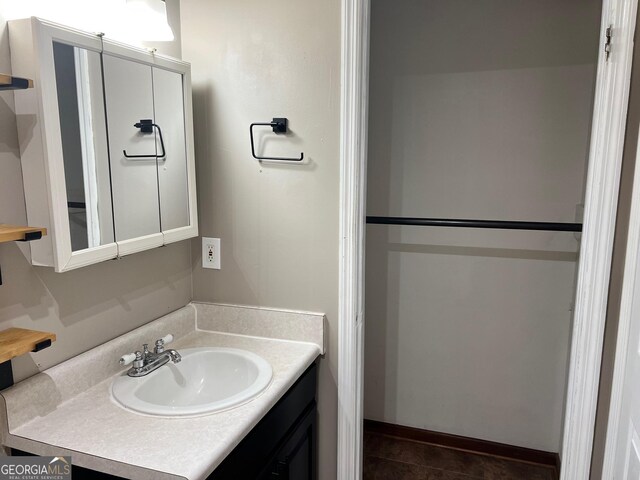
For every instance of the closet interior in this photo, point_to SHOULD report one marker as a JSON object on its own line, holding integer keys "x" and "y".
{"x": 479, "y": 126}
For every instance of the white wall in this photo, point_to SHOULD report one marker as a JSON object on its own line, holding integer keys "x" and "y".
{"x": 94, "y": 304}
{"x": 252, "y": 61}
{"x": 478, "y": 109}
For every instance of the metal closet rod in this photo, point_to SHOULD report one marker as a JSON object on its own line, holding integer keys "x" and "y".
{"x": 463, "y": 223}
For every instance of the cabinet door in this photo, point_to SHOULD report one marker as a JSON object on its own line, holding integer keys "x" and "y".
{"x": 63, "y": 144}
{"x": 168, "y": 98}
{"x": 84, "y": 145}
{"x": 134, "y": 177}
{"x": 296, "y": 460}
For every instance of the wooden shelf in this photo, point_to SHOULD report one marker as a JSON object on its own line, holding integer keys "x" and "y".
{"x": 12, "y": 233}
{"x": 18, "y": 341}
{"x": 8, "y": 82}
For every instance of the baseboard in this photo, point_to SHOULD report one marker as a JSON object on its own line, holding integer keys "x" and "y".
{"x": 476, "y": 445}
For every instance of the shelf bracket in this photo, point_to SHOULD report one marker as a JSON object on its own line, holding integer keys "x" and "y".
{"x": 42, "y": 345}
{"x": 29, "y": 236}
{"x": 9, "y": 82}
{"x": 6, "y": 375}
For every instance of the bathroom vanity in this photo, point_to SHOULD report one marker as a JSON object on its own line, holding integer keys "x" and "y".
{"x": 283, "y": 444}
{"x": 69, "y": 409}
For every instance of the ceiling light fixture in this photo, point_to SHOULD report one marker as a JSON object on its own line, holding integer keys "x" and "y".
{"x": 148, "y": 18}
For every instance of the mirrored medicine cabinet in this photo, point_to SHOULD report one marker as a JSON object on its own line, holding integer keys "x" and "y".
{"x": 106, "y": 144}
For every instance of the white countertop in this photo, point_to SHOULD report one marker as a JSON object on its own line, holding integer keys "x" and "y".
{"x": 88, "y": 425}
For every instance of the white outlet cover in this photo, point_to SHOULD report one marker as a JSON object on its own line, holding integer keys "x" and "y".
{"x": 211, "y": 253}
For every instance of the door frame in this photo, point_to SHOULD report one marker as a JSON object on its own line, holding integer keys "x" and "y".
{"x": 624, "y": 327}
{"x": 354, "y": 105}
{"x": 602, "y": 185}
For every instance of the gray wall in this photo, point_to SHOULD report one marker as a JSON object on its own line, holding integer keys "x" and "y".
{"x": 91, "y": 305}
{"x": 252, "y": 61}
{"x": 479, "y": 109}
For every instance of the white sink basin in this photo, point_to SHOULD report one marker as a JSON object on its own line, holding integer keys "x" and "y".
{"x": 207, "y": 380}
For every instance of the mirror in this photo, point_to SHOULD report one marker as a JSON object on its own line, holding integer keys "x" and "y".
{"x": 147, "y": 145}
{"x": 128, "y": 88}
{"x": 78, "y": 76}
{"x": 108, "y": 132}
{"x": 168, "y": 100}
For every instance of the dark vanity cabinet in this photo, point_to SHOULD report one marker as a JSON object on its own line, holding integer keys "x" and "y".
{"x": 282, "y": 446}
{"x": 296, "y": 459}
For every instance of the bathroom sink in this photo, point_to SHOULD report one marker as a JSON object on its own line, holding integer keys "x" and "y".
{"x": 207, "y": 380}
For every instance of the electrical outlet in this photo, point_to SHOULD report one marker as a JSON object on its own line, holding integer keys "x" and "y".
{"x": 211, "y": 253}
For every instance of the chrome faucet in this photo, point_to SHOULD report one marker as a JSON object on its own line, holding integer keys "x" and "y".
{"x": 145, "y": 362}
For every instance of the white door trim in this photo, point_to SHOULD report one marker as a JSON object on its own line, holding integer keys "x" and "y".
{"x": 601, "y": 202}
{"x": 353, "y": 180}
{"x": 605, "y": 158}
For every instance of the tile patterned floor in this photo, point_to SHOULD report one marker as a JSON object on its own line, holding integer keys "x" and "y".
{"x": 391, "y": 458}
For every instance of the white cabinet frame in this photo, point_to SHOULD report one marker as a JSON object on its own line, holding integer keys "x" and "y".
{"x": 41, "y": 143}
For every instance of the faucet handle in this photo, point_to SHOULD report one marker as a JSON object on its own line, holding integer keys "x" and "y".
{"x": 127, "y": 359}
{"x": 162, "y": 342}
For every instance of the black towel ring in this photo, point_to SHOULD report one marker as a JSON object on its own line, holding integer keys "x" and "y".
{"x": 147, "y": 126}
{"x": 279, "y": 125}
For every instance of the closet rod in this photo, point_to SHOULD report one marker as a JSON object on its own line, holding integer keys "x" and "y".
{"x": 456, "y": 222}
